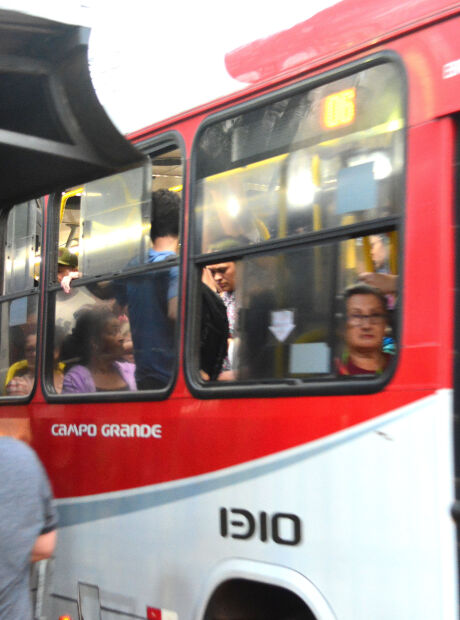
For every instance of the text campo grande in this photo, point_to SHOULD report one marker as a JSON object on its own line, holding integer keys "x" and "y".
{"x": 143, "y": 431}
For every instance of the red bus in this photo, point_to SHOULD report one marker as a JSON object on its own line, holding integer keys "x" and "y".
{"x": 301, "y": 484}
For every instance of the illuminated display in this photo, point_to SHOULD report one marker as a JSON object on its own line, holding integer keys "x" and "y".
{"x": 339, "y": 109}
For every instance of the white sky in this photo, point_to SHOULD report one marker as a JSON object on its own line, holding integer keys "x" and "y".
{"x": 150, "y": 60}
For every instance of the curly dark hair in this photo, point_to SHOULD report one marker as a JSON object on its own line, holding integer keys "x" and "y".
{"x": 78, "y": 346}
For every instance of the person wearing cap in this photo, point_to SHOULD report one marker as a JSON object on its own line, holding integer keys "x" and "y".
{"x": 67, "y": 262}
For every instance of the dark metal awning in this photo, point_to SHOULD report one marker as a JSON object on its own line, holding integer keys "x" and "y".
{"x": 53, "y": 131}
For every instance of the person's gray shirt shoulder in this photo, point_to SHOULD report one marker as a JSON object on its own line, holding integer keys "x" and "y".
{"x": 26, "y": 512}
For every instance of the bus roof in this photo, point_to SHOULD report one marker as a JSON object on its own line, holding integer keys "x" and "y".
{"x": 331, "y": 35}
{"x": 53, "y": 131}
{"x": 334, "y": 33}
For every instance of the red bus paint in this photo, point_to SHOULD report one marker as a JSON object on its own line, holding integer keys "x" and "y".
{"x": 188, "y": 445}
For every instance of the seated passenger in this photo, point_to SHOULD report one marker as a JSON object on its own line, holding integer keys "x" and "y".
{"x": 93, "y": 355}
{"x": 366, "y": 321}
{"x": 21, "y": 375}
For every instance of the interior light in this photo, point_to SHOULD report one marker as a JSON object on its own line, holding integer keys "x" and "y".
{"x": 382, "y": 166}
{"x": 394, "y": 125}
{"x": 233, "y": 206}
{"x": 300, "y": 184}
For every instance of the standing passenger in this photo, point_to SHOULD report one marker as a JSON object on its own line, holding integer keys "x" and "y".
{"x": 151, "y": 298}
{"x": 223, "y": 275}
{"x": 214, "y": 331}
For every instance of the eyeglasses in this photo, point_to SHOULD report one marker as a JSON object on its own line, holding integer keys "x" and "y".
{"x": 358, "y": 319}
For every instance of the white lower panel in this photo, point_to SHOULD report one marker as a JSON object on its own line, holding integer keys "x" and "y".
{"x": 374, "y": 501}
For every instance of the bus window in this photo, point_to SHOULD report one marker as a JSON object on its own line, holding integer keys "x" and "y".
{"x": 301, "y": 164}
{"x": 115, "y": 303}
{"x": 285, "y": 200}
{"x": 18, "y": 309}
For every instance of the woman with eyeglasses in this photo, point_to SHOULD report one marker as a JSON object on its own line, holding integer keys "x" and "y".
{"x": 365, "y": 325}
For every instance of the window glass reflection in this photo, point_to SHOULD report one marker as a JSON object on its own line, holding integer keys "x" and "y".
{"x": 280, "y": 312}
{"x": 288, "y": 311}
{"x": 119, "y": 334}
{"x": 297, "y": 166}
{"x": 18, "y": 345}
{"x": 22, "y": 247}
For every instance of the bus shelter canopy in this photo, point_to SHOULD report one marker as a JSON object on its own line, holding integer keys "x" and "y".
{"x": 53, "y": 131}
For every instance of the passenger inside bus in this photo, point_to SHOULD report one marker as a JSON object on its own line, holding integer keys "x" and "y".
{"x": 214, "y": 330}
{"x": 93, "y": 355}
{"x": 381, "y": 277}
{"x": 224, "y": 277}
{"x": 365, "y": 324}
{"x": 150, "y": 299}
{"x": 21, "y": 375}
{"x": 67, "y": 263}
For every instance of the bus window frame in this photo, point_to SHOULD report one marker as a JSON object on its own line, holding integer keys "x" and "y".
{"x": 162, "y": 142}
{"x": 36, "y": 292}
{"x": 291, "y": 386}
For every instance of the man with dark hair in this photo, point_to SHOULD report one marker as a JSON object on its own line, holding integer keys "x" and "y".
{"x": 164, "y": 215}
{"x": 224, "y": 277}
{"x": 151, "y": 298}
{"x": 27, "y": 525}
{"x": 366, "y": 319}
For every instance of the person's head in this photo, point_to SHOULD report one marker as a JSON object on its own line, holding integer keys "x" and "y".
{"x": 366, "y": 318}
{"x": 379, "y": 250}
{"x": 165, "y": 214}
{"x": 223, "y": 275}
{"x": 67, "y": 262}
{"x": 97, "y": 334}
